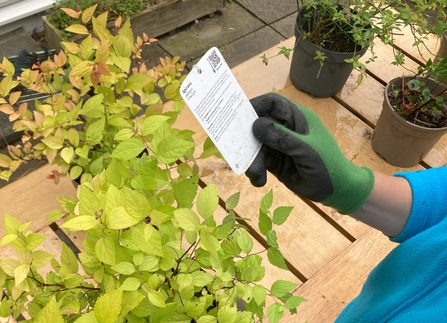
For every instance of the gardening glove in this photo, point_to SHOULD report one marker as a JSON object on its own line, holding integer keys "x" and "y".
{"x": 300, "y": 151}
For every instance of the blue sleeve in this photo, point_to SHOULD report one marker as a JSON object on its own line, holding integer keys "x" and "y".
{"x": 429, "y": 201}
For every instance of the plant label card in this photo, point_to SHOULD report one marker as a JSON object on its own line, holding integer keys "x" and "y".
{"x": 218, "y": 102}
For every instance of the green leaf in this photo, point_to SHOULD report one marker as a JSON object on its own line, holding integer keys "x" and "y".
{"x": 69, "y": 260}
{"x": 232, "y": 201}
{"x": 227, "y": 314}
{"x": 124, "y": 134}
{"x": 185, "y": 191}
{"x": 245, "y": 241}
{"x": 8, "y": 239}
{"x": 264, "y": 223}
{"x": 108, "y": 306}
{"x": 50, "y": 313}
{"x": 94, "y": 133}
{"x": 272, "y": 240}
{"x": 41, "y": 258}
{"x": 77, "y": 29}
{"x": 137, "y": 81}
{"x": 131, "y": 284}
{"x": 87, "y": 318}
{"x": 94, "y": 107}
{"x": 209, "y": 243}
{"x": 282, "y": 287}
{"x": 131, "y": 299}
{"x": 207, "y": 319}
{"x": 266, "y": 202}
{"x": 275, "y": 312}
{"x": 155, "y": 298}
{"x": 187, "y": 219}
{"x": 136, "y": 204}
{"x": 171, "y": 149}
{"x": 276, "y": 258}
{"x": 11, "y": 224}
{"x": 293, "y": 302}
{"x": 20, "y": 273}
{"x": 152, "y": 123}
{"x": 201, "y": 279}
{"x": 89, "y": 203}
{"x": 148, "y": 241}
{"x": 122, "y": 62}
{"x": 207, "y": 201}
{"x": 128, "y": 149}
{"x": 259, "y": 294}
{"x": 76, "y": 171}
{"x": 280, "y": 214}
{"x": 118, "y": 218}
{"x": 5, "y": 307}
{"x": 67, "y": 154}
{"x": 73, "y": 137}
{"x": 105, "y": 250}
{"x": 209, "y": 149}
{"x": 33, "y": 240}
{"x": 82, "y": 222}
{"x": 125, "y": 268}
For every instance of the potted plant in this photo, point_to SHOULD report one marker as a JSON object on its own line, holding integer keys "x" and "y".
{"x": 148, "y": 256}
{"x": 414, "y": 115}
{"x": 153, "y": 17}
{"x": 332, "y": 36}
{"x": 100, "y": 100}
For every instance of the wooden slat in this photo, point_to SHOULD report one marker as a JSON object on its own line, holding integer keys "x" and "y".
{"x": 33, "y": 197}
{"x": 329, "y": 291}
{"x": 382, "y": 66}
{"x": 422, "y": 53}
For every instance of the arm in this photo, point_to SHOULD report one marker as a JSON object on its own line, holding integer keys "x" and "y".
{"x": 388, "y": 207}
{"x": 300, "y": 151}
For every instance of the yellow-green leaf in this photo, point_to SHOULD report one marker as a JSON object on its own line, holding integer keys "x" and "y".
{"x": 88, "y": 13}
{"x": 67, "y": 154}
{"x": 207, "y": 201}
{"x": 156, "y": 298}
{"x": 108, "y": 306}
{"x": 50, "y": 313}
{"x": 118, "y": 218}
{"x": 77, "y": 29}
{"x": 82, "y": 222}
{"x": 187, "y": 219}
{"x": 137, "y": 81}
{"x": 20, "y": 273}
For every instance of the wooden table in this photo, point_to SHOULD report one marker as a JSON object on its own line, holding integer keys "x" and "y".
{"x": 330, "y": 255}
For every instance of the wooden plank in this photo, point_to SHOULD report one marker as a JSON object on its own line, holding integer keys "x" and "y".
{"x": 33, "y": 197}
{"x": 429, "y": 50}
{"x": 382, "y": 67}
{"x": 331, "y": 289}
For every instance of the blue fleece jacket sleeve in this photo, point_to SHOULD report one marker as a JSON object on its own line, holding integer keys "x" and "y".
{"x": 429, "y": 201}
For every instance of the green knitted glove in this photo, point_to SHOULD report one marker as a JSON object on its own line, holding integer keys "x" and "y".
{"x": 300, "y": 151}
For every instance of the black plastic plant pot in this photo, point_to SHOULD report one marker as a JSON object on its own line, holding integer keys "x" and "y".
{"x": 309, "y": 76}
{"x": 398, "y": 141}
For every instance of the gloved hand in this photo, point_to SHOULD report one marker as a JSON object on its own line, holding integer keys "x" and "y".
{"x": 300, "y": 151}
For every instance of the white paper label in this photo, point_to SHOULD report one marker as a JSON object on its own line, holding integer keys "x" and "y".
{"x": 218, "y": 102}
